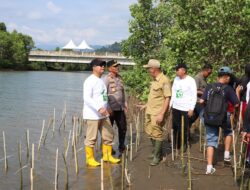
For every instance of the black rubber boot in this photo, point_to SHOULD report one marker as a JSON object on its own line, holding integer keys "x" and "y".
{"x": 151, "y": 156}
{"x": 157, "y": 153}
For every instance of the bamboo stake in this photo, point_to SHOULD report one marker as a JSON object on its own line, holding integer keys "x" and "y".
{"x": 241, "y": 149}
{"x": 20, "y": 164}
{"x": 204, "y": 145}
{"x": 131, "y": 142}
{"x": 244, "y": 166}
{"x": 27, "y": 143}
{"x": 200, "y": 137}
{"x": 76, "y": 158}
{"x": 54, "y": 122}
{"x": 32, "y": 168}
{"x": 234, "y": 150}
{"x": 56, "y": 171}
{"x": 66, "y": 177}
{"x": 182, "y": 144}
{"x": 219, "y": 138}
{"x": 102, "y": 185}
{"x": 48, "y": 127}
{"x": 5, "y": 154}
{"x": 64, "y": 123}
{"x": 41, "y": 136}
{"x": 189, "y": 171}
{"x": 123, "y": 165}
{"x": 176, "y": 144}
{"x": 172, "y": 143}
{"x": 149, "y": 172}
{"x": 66, "y": 151}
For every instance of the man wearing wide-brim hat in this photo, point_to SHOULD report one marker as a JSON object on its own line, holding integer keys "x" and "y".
{"x": 156, "y": 108}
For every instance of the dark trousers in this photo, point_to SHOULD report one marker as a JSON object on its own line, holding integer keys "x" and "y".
{"x": 120, "y": 119}
{"x": 177, "y": 117}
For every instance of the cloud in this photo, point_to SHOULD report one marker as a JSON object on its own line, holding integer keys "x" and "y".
{"x": 34, "y": 15}
{"x": 53, "y": 8}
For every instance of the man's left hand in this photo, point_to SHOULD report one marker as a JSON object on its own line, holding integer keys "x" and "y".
{"x": 159, "y": 118}
{"x": 190, "y": 113}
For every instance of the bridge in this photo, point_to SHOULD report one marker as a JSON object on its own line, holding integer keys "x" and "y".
{"x": 76, "y": 57}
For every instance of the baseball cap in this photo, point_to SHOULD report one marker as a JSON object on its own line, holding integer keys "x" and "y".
{"x": 225, "y": 70}
{"x": 153, "y": 63}
{"x": 113, "y": 63}
{"x": 181, "y": 65}
{"x": 97, "y": 62}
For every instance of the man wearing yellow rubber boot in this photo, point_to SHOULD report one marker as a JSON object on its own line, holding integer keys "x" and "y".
{"x": 96, "y": 115}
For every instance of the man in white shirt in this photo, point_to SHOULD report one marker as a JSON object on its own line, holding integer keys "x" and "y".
{"x": 184, "y": 97}
{"x": 96, "y": 115}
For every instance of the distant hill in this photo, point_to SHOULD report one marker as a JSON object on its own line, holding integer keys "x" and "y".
{"x": 114, "y": 48}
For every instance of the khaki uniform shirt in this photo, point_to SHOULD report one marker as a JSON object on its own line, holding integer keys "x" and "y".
{"x": 116, "y": 92}
{"x": 160, "y": 89}
{"x": 201, "y": 82}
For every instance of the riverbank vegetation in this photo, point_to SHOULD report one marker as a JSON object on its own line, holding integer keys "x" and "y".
{"x": 195, "y": 32}
{"x": 14, "y": 49}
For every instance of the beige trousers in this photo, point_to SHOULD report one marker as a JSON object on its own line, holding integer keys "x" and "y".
{"x": 154, "y": 130}
{"x": 106, "y": 131}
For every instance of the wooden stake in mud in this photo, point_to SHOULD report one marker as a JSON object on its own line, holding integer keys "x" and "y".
{"x": 76, "y": 158}
{"x": 54, "y": 122}
{"x": 41, "y": 136}
{"x": 32, "y": 167}
{"x": 182, "y": 144}
{"x": 189, "y": 170}
{"x": 27, "y": 144}
{"x": 204, "y": 144}
{"x": 56, "y": 171}
{"x": 66, "y": 177}
{"x": 66, "y": 151}
{"x": 131, "y": 142}
{"x": 123, "y": 170}
{"x": 48, "y": 127}
{"x": 200, "y": 137}
{"x": 20, "y": 164}
{"x": 172, "y": 143}
{"x": 102, "y": 181}
{"x": 5, "y": 154}
{"x": 234, "y": 150}
{"x": 245, "y": 145}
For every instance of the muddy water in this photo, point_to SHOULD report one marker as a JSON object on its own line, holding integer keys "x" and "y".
{"x": 26, "y": 98}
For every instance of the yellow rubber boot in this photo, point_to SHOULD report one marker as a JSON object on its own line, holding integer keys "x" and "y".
{"x": 107, "y": 154}
{"x": 90, "y": 160}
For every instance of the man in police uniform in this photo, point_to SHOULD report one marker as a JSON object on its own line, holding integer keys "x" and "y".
{"x": 116, "y": 101}
{"x": 156, "y": 108}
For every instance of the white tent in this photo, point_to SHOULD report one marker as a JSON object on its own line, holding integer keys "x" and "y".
{"x": 84, "y": 46}
{"x": 69, "y": 45}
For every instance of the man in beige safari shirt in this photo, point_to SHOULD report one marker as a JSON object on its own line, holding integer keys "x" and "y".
{"x": 156, "y": 108}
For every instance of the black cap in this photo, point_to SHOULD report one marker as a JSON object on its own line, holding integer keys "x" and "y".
{"x": 97, "y": 62}
{"x": 112, "y": 63}
{"x": 181, "y": 65}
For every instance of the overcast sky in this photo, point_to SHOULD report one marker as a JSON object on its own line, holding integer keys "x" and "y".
{"x": 55, "y": 22}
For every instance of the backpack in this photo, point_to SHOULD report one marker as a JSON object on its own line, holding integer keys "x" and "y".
{"x": 215, "y": 112}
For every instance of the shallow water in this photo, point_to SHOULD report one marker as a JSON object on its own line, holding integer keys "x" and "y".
{"x": 26, "y": 98}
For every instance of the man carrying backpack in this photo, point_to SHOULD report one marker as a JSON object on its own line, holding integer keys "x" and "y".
{"x": 216, "y": 97}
